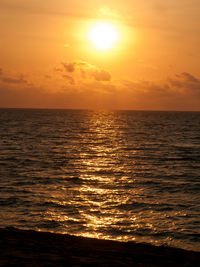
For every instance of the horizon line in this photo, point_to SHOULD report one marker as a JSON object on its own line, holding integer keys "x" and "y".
{"x": 100, "y": 109}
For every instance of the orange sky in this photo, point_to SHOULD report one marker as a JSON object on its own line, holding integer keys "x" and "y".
{"x": 48, "y": 61}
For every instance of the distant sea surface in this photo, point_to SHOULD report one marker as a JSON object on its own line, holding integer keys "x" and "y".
{"x": 122, "y": 175}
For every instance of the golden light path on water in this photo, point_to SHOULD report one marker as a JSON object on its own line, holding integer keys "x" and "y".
{"x": 107, "y": 190}
{"x": 100, "y": 163}
{"x": 119, "y": 175}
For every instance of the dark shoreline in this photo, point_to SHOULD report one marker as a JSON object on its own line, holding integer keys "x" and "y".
{"x": 31, "y": 248}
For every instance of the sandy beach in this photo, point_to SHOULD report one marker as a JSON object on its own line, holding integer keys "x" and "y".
{"x": 31, "y": 248}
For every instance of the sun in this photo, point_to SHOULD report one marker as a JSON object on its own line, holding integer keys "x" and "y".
{"x": 103, "y": 36}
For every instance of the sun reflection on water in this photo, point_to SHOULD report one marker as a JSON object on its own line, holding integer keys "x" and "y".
{"x": 117, "y": 175}
{"x": 104, "y": 191}
{"x": 94, "y": 195}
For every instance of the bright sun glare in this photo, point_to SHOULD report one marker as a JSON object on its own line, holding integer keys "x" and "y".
{"x": 103, "y": 36}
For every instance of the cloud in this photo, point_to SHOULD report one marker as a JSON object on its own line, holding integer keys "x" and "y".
{"x": 185, "y": 81}
{"x": 160, "y": 95}
{"x": 184, "y": 84}
{"x": 79, "y": 84}
{"x": 189, "y": 77}
{"x": 70, "y": 67}
{"x": 69, "y": 78}
{"x": 101, "y": 75}
{"x": 13, "y": 80}
{"x": 87, "y": 70}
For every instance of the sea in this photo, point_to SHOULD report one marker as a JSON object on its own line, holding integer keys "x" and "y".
{"x": 119, "y": 175}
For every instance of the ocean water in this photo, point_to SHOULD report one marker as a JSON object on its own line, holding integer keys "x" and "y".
{"x": 122, "y": 175}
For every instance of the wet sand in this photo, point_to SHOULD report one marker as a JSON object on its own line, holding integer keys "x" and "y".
{"x": 31, "y": 248}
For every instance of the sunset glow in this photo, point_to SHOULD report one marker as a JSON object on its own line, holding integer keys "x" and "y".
{"x": 98, "y": 55}
{"x": 103, "y": 36}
